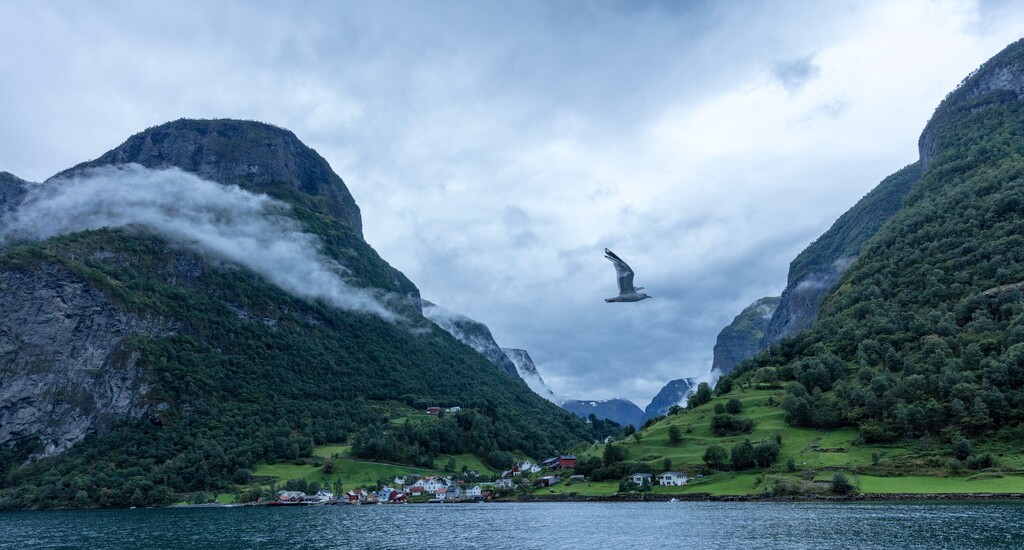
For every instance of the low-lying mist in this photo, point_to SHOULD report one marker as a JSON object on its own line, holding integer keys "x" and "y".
{"x": 226, "y": 221}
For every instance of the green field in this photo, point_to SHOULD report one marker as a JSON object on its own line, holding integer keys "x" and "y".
{"x": 352, "y": 473}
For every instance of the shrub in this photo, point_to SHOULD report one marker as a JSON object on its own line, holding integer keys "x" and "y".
{"x": 841, "y": 485}
{"x": 728, "y": 424}
{"x": 734, "y": 406}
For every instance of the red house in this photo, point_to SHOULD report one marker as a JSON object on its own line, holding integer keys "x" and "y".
{"x": 433, "y": 410}
{"x": 566, "y": 462}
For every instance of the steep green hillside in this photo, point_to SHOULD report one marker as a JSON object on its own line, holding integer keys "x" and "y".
{"x": 806, "y": 462}
{"x": 924, "y": 335}
{"x": 218, "y": 370}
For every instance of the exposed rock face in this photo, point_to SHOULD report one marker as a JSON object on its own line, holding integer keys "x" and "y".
{"x": 798, "y": 306}
{"x": 63, "y": 370}
{"x": 255, "y": 156}
{"x": 742, "y": 338}
{"x": 528, "y": 372}
{"x": 12, "y": 189}
{"x": 472, "y": 333}
{"x": 999, "y": 80}
{"x": 618, "y": 410}
{"x": 815, "y": 270}
{"x": 674, "y": 393}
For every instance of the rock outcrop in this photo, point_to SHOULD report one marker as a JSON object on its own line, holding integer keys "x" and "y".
{"x": 12, "y": 189}
{"x": 256, "y": 156}
{"x": 528, "y": 372}
{"x": 674, "y": 393}
{"x": 1000, "y": 80}
{"x": 743, "y": 337}
{"x": 822, "y": 263}
{"x": 64, "y": 369}
{"x": 472, "y": 333}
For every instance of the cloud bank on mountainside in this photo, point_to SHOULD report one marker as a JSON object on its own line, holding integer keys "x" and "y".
{"x": 227, "y": 222}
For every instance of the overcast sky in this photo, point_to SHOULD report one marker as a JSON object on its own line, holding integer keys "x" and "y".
{"x": 496, "y": 148}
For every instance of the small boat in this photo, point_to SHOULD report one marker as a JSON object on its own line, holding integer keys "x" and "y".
{"x": 674, "y": 499}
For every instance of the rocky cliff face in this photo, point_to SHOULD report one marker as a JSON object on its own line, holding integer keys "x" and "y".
{"x": 815, "y": 270}
{"x": 12, "y": 189}
{"x": 472, "y": 333}
{"x": 743, "y": 337}
{"x": 618, "y": 410}
{"x": 999, "y": 80}
{"x": 674, "y": 393}
{"x": 64, "y": 369}
{"x": 256, "y": 156}
{"x": 528, "y": 372}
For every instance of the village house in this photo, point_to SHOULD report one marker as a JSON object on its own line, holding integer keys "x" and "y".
{"x": 527, "y": 466}
{"x": 455, "y": 409}
{"x": 323, "y": 495}
{"x": 356, "y": 496}
{"x": 672, "y": 478}
{"x": 291, "y": 496}
{"x": 505, "y": 484}
{"x": 566, "y": 462}
{"x": 433, "y": 410}
{"x": 452, "y": 493}
{"x": 641, "y": 479}
{"x": 548, "y": 481}
{"x": 431, "y": 484}
{"x": 474, "y": 492}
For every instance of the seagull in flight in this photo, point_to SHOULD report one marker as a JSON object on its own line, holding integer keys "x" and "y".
{"x": 627, "y": 292}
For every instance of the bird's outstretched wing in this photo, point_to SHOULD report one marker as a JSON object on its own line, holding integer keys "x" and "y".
{"x": 622, "y": 271}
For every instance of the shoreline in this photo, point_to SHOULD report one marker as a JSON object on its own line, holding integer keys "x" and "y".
{"x": 692, "y": 497}
{"x": 707, "y": 497}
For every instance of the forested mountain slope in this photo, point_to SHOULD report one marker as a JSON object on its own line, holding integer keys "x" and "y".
{"x": 913, "y": 340}
{"x": 141, "y": 359}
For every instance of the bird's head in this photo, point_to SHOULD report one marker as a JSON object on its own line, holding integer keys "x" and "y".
{"x": 644, "y": 296}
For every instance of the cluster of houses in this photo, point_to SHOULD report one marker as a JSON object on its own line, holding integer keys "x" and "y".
{"x": 444, "y": 489}
{"x": 447, "y": 489}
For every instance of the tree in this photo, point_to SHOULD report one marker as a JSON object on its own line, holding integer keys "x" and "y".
{"x": 674, "y": 435}
{"x": 612, "y": 454}
{"x": 734, "y": 406}
{"x": 701, "y": 396}
{"x": 742, "y": 455}
{"x": 716, "y": 457}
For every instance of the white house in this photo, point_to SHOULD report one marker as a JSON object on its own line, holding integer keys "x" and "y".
{"x": 504, "y": 484}
{"x": 323, "y": 495}
{"x": 430, "y": 484}
{"x": 527, "y": 466}
{"x": 474, "y": 492}
{"x": 672, "y": 478}
{"x": 455, "y": 409}
{"x": 641, "y": 479}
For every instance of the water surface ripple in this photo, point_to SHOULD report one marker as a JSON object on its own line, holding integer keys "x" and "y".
{"x": 961, "y": 525}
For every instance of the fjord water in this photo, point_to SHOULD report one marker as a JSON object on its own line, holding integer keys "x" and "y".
{"x": 962, "y": 525}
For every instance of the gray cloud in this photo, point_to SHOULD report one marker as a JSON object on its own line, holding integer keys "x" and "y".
{"x": 496, "y": 148}
{"x": 796, "y": 73}
{"x": 226, "y": 221}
